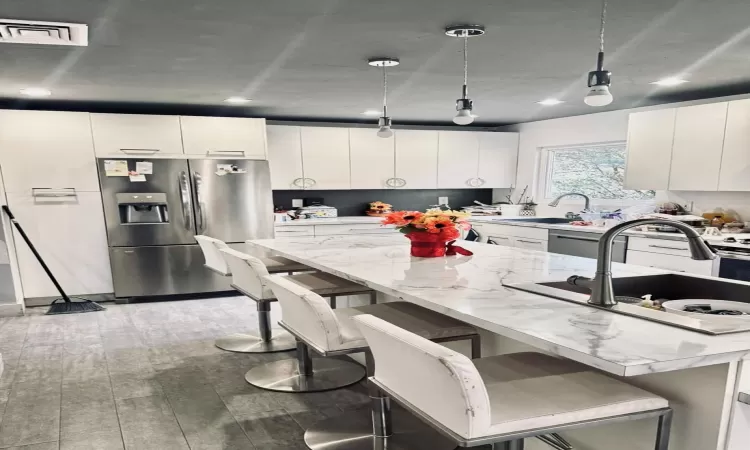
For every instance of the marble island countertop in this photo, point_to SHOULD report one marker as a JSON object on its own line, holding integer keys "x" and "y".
{"x": 471, "y": 289}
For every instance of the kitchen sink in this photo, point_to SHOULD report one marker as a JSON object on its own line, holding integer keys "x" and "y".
{"x": 549, "y": 220}
{"x": 664, "y": 286}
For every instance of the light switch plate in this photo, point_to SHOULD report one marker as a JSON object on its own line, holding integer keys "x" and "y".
{"x": 297, "y": 203}
{"x": 442, "y": 200}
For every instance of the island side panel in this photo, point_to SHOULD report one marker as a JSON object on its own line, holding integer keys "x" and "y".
{"x": 739, "y": 423}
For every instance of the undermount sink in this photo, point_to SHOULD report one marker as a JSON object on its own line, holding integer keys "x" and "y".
{"x": 664, "y": 286}
{"x": 549, "y": 220}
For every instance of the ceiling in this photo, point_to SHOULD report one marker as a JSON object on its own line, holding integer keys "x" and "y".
{"x": 306, "y": 60}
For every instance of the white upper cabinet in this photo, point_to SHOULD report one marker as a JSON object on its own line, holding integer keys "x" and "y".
{"x": 417, "y": 158}
{"x": 650, "y": 136}
{"x": 498, "y": 155}
{"x": 225, "y": 137}
{"x": 133, "y": 135}
{"x": 698, "y": 143}
{"x": 47, "y": 149}
{"x": 372, "y": 159}
{"x": 458, "y": 160}
{"x": 735, "y": 163}
{"x": 285, "y": 157}
{"x": 325, "y": 157}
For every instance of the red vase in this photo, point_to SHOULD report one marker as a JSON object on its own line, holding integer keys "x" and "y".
{"x": 427, "y": 245}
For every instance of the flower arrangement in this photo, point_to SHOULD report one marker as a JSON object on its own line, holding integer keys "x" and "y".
{"x": 379, "y": 209}
{"x": 431, "y": 230}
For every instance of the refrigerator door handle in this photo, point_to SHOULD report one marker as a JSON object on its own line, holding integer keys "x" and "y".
{"x": 198, "y": 182}
{"x": 184, "y": 189}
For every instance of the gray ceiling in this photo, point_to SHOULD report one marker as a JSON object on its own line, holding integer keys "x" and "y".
{"x": 305, "y": 59}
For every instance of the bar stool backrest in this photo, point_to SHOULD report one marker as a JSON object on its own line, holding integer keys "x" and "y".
{"x": 248, "y": 273}
{"x": 210, "y": 247}
{"x": 307, "y": 313}
{"x": 441, "y": 383}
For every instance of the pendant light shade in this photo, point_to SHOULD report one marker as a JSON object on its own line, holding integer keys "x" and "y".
{"x": 384, "y": 122}
{"x": 464, "y": 105}
{"x": 600, "y": 79}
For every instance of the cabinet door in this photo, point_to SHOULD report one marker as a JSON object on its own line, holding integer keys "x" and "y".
{"x": 530, "y": 244}
{"x": 136, "y": 135}
{"x": 285, "y": 157}
{"x": 417, "y": 158}
{"x": 458, "y": 159}
{"x": 70, "y": 235}
{"x": 325, "y": 157}
{"x": 698, "y": 142}
{"x": 735, "y": 162}
{"x": 372, "y": 159}
{"x": 498, "y": 155}
{"x": 47, "y": 149}
{"x": 227, "y": 137}
{"x": 505, "y": 241}
{"x": 669, "y": 262}
{"x": 650, "y": 136}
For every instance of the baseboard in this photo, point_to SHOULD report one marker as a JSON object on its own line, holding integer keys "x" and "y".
{"x": 10, "y": 310}
{"x": 46, "y": 301}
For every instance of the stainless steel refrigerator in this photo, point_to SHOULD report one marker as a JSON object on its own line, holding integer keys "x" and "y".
{"x": 155, "y": 208}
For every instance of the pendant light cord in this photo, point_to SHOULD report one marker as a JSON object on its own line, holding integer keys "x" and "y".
{"x": 466, "y": 66}
{"x": 385, "y": 92}
{"x": 601, "y": 28}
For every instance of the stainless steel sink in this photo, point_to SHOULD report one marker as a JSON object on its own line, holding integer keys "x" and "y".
{"x": 665, "y": 286}
{"x": 549, "y": 220}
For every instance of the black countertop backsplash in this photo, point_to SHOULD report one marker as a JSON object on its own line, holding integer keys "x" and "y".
{"x": 355, "y": 202}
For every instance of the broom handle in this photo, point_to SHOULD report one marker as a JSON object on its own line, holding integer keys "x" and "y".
{"x": 36, "y": 253}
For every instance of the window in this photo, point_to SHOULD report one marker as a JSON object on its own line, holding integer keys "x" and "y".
{"x": 596, "y": 170}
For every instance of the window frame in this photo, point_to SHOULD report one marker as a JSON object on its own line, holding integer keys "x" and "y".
{"x": 544, "y": 174}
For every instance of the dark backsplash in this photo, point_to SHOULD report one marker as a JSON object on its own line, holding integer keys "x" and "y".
{"x": 355, "y": 202}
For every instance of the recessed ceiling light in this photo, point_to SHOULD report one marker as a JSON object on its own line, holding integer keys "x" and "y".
{"x": 371, "y": 112}
{"x": 670, "y": 81}
{"x": 550, "y": 102}
{"x": 237, "y": 100}
{"x": 36, "y": 92}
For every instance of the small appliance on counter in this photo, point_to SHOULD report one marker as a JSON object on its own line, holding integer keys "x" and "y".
{"x": 697, "y": 222}
{"x": 313, "y": 209}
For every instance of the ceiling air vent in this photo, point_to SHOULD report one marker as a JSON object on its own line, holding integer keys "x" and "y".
{"x": 43, "y": 33}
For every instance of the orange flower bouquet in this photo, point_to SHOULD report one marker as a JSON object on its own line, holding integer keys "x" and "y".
{"x": 431, "y": 233}
{"x": 378, "y": 209}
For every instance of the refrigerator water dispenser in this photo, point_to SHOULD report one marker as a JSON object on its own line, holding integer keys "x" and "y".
{"x": 142, "y": 208}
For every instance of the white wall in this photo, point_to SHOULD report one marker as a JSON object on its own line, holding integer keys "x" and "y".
{"x": 601, "y": 127}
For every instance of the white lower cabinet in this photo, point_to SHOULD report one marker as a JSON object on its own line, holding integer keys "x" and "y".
{"x": 512, "y": 236}
{"x": 666, "y": 261}
{"x": 530, "y": 244}
{"x": 70, "y": 235}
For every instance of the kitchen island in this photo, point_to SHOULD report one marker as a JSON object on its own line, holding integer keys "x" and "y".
{"x": 698, "y": 373}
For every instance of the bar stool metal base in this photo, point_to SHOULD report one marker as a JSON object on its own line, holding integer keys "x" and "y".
{"x": 353, "y": 431}
{"x": 284, "y": 376}
{"x": 248, "y": 343}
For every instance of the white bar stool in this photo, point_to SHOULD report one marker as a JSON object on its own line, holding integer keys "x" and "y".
{"x": 503, "y": 399}
{"x": 248, "y": 275}
{"x": 215, "y": 260}
{"x": 331, "y": 332}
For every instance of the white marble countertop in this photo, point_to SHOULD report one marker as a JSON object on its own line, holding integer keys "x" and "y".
{"x": 471, "y": 289}
{"x": 345, "y": 220}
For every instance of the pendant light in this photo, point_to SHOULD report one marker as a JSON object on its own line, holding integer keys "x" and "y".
{"x": 464, "y": 105}
{"x": 600, "y": 79}
{"x": 384, "y": 122}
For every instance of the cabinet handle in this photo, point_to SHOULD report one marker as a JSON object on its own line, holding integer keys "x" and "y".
{"x": 312, "y": 182}
{"x": 53, "y": 192}
{"x": 390, "y": 182}
{"x": 225, "y": 152}
{"x": 140, "y": 151}
{"x": 401, "y": 182}
{"x": 667, "y": 247}
{"x": 296, "y": 182}
{"x": 474, "y": 182}
{"x": 528, "y": 242}
{"x": 574, "y": 238}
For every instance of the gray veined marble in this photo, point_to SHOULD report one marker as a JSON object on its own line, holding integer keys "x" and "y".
{"x": 471, "y": 289}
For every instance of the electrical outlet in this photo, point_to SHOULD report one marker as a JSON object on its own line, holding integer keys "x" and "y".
{"x": 297, "y": 203}
{"x": 442, "y": 200}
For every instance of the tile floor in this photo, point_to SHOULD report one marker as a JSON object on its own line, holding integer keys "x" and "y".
{"x": 147, "y": 377}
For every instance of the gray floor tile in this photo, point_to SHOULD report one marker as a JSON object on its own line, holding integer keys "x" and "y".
{"x": 82, "y": 417}
{"x": 42, "y": 446}
{"x": 30, "y": 419}
{"x": 96, "y": 440}
{"x": 306, "y": 419}
{"x": 245, "y": 404}
{"x": 148, "y": 423}
{"x": 84, "y": 366}
{"x": 267, "y": 427}
{"x": 132, "y": 385}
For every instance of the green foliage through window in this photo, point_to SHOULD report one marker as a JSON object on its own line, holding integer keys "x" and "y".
{"x": 597, "y": 170}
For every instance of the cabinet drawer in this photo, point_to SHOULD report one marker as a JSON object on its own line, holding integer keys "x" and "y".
{"x": 663, "y": 246}
{"x": 530, "y": 244}
{"x": 505, "y": 241}
{"x": 493, "y": 229}
{"x": 296, "y": 230}
{"x": 670, "y": 262}
{"x": 355, "y": 228}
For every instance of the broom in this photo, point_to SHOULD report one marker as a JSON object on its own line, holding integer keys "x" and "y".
{"x": 67, "y": 306}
